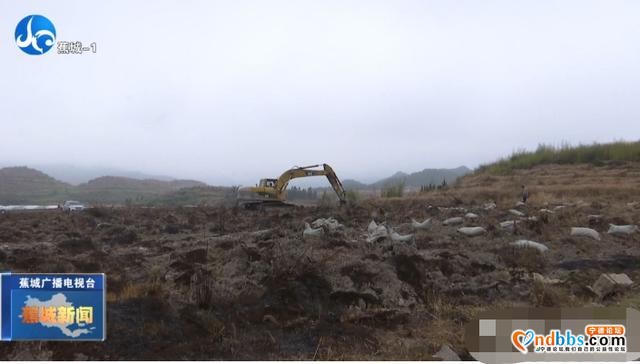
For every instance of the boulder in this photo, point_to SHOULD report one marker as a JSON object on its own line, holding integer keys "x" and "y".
{"x": 530, "y": 244}
{"x": 472, "y": 231}
{"x": 610, "y": 283}
{"x": 508, "y": 225}
{"x": 587, "y": 232}
{"x": 398, "y": 237}
{"x": 471, "y": 216}
{"x": 447, "y": 354}
{"x": 330, "y": 224}
{"x": 542, "y": 279}
{"x": 376, "y": 232}
{"x": 310, "y": 232}
{"x": 516, "y": 212}
{"x": 372, "y": 227}
{"x": 622, "y": 230}
{"x": 453, "y": 221}
{"x": 425, "y": 225}
{"x": 489, "y": 206}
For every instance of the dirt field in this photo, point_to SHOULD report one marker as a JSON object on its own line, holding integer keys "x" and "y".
{"x": 215, "y": 283}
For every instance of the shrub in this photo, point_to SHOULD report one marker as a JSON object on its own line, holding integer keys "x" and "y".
{"x": 352, "y": 196}
{"x": 594, "y": 154}
{"x": 394, "y": 190}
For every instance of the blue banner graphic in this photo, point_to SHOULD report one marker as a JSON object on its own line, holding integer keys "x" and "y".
{"x": 52, "y": 306}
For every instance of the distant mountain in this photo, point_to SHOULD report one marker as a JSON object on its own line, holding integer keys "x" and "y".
{"x": 23, "y": 185}
{"x": 76, "y": 175}
{"x": 117, "y": 182}
{"x": 352, "y": 184}
{"x": 416, "y": 179}
{"x": 424, "y": 177}
{"x": 112, "y": 189}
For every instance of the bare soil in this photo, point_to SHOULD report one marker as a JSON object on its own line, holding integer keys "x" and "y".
{"x": 216, "y": 283}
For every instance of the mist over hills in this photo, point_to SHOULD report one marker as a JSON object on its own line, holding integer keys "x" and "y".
{"x": 76, "y": 175}
{"x": 24, "y": 185}
{"x": 425, "y": 177}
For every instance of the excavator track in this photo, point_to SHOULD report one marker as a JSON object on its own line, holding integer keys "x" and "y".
{"x": 264, "y": 205}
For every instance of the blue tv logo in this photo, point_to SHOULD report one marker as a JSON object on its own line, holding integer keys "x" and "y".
{"x": 35, "y": 34}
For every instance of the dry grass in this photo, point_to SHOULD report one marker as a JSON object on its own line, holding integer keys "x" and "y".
{"x": 553, "y": 184}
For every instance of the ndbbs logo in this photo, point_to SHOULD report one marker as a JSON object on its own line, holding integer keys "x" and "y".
{"x": 35, "y": 34}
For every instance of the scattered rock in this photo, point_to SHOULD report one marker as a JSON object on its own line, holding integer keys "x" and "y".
{"x": 560, "y": 207}
{"x": 453, "y": 221}
{"x": 611, "y": 283}
{"x": 372, "y": 227}
{"x": 587, "y": 232}
{"x": 622, "y": 230}
{"x": 472, "y": 231}
{"x": 471, "y": 216}
{"x": 330, "y": 224}
{"x": 310, "y": 232}
{"x": 520, "y": 203}
{"x": 530, "y": 244}
{"x": 546, "y": 211}
{"x": 542, "y": 279}
{"x": 489, "y": 206}
{"x": 508, "y": 225}
{"x": 516, "y": 212}
{"x": 376, "y": 232}
{"x": 425, "y": 225}
{"x": 397, "y": 237}
{"x": 447, "y": 354}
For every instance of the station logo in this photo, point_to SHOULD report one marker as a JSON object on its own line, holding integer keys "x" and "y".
{"x": 35, "y": 34}
{"x": 52, "y": 306}
{"x": 596, "y": 339}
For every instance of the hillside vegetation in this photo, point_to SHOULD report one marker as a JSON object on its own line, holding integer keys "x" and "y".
{"x": 26, "y": 185}
{"x": 595, "y": 154}
{"x": 23, "y": 185}
{"x": 429, "y": 176}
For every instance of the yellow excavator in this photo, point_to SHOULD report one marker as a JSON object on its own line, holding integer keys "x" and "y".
{"x": 272, "y": 191}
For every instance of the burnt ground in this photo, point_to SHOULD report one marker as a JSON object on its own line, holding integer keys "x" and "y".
{"x": 216, "y": 283}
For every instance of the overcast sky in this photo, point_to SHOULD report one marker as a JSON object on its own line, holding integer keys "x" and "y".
{"x": 231, "y": 91}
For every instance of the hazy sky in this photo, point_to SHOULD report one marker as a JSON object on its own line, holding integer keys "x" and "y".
{"x": 231, "y": 91}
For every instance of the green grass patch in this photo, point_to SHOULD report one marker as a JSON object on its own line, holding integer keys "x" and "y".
{"x": 596, "y": 154}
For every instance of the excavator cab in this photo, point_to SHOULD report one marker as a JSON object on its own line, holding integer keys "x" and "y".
{"x": 268, "y": 182}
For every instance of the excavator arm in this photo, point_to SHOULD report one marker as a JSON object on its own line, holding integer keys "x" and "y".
{"x": 299, "y": 172}
{"x": 271, "y": 192}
